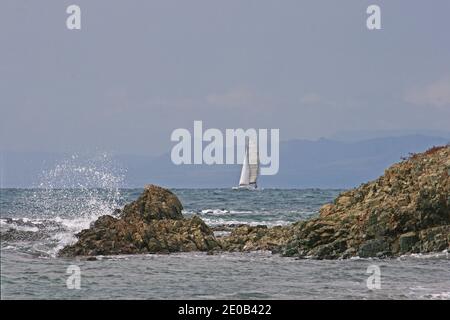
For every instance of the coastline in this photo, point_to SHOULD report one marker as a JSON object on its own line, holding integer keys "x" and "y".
{"x": 407, "y": 210}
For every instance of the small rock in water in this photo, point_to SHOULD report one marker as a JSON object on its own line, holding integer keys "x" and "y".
{"x": 151, "y": 224}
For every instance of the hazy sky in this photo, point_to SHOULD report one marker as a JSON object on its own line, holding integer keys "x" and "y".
{"x": 137, "y": 70}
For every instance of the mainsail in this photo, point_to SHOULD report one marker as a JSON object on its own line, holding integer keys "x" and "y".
{"x": 250, "y": 166}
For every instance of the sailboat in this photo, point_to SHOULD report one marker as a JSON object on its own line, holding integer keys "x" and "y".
{"x": 250, "y": 166}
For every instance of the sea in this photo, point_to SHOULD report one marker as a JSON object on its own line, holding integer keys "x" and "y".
{"x": 38, "y": 222}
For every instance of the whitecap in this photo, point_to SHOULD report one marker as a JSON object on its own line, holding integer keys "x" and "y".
{"x": 215, "y": 211}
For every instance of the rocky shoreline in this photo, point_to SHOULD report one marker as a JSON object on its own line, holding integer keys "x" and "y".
{"x": 407, "y": 210}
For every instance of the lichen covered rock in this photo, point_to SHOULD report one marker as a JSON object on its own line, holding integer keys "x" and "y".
{"x": 407, "y": 210}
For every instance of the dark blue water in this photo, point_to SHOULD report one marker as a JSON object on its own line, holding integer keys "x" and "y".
{"x": 39, "y": 222}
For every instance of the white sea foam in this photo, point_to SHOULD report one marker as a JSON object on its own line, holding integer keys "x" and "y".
{"x": 212, "y": 218}
{"x": 22, "y": 228}
{"x": 220, "y": 221}
{"x": 431, "y": 255}
{"x": 19, "y": 224}
{"x": 215, "y": 211}
{"x": 441, "y": 296}
{"x": 240, "y": 212}
{"x": 77, "y": 192}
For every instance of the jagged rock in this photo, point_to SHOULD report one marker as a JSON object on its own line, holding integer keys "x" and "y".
{"x": 407, "y": 242}
{"x": 251, "y": 238}
{"x": 406, "y": 210}
{"x": 151, "y": 224}
{"x": 153, "y": 204}
{"x": 374, "y": 248}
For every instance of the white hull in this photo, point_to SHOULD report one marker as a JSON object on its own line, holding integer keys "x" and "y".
{"x": 249, "y": 187}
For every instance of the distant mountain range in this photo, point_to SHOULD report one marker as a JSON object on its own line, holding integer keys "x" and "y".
{"x": 359, "y": 135}
{"x": 323, "y": 163}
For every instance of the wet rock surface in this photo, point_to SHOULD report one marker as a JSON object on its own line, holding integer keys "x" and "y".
{"x": 407, "y": 210}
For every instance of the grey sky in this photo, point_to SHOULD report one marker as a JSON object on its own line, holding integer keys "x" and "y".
{"x": 139, "y": 69}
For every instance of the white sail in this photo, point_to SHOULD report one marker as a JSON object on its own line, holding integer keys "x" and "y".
{"x": 250, "y": 166}
{"x": 253, "y": 161}
{"x": 244, "y": 180}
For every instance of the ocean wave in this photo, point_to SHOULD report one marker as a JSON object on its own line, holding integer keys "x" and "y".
{"x": 432, "y": 255}
{"x": 220, "y": 221}
{"x": 19, "y": 224}
{"x": 216, "y": 212}
{"x": 439, "y": 296}
{"x": 240, "y": 212}
{"x": 70, "y": 196}
{"x": 50, "y": 234}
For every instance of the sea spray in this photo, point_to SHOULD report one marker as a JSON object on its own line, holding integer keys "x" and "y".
{"x": 76, "y": 191}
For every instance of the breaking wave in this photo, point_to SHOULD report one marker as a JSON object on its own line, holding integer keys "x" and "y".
{"x": 68, "y": 198}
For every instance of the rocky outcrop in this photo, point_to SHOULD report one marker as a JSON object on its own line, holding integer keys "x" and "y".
{"x": 407, "y": 210}
{"x": 151, "y": 224}
{"x": 155, "y": 203}
{"x": 252, "y": 238}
